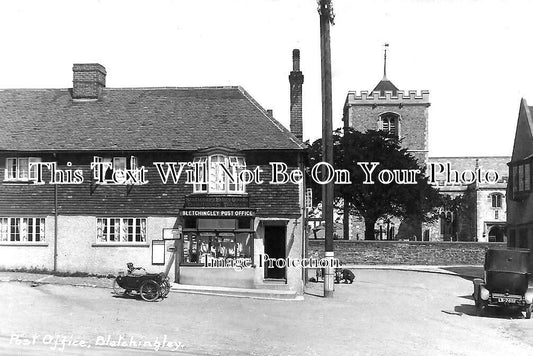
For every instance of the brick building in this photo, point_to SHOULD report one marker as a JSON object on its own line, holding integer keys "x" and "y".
{"x": 111, "y": 153}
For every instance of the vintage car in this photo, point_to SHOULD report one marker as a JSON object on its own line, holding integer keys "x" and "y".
{"x": 506, "y": 283}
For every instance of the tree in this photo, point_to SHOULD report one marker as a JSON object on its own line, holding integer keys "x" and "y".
{"x": 373, "y": 201}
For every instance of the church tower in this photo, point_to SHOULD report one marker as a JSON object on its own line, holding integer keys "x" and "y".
{"x": 404, "y": 114}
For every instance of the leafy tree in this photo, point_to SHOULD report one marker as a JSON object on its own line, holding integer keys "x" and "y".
{"x": 373, "y": 201}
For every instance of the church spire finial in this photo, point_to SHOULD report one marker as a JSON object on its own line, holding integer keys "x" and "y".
{"x": 386, "y": 46}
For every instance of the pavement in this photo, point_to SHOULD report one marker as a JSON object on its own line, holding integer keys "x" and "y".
{"x": 384, "y": 312}
{"x": 465, "y": 271}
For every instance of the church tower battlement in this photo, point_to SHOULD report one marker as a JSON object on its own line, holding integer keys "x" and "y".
{"x": 401, "y": 113}
{"x": 412, "y": 97}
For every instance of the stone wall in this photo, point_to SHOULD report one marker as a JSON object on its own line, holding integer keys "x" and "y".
{"x": 406, "y": 252}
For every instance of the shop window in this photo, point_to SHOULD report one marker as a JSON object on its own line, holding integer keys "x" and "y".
{"x": 496, "y": 200}
{"x": 113, "y": 230}
{"x": 390, "y": 123}
{"x": 22, "y": 229}
{"x": 219, "y": 174}
{"x": 218, "y": 239}
{"x": 204, "y": 247}
{"x": 21, "y": 169}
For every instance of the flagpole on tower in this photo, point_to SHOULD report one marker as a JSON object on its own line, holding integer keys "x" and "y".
{"x": 385, "y": 46}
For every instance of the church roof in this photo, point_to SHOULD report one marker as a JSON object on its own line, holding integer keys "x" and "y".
{"x": 386, "y": 85}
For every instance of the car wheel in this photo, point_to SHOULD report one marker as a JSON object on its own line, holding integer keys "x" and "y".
{"x": 150, "y": 291}
{"x": 117, "y": 289}
{"x": 481, "y": 308}
{"x": 529, "y": 309}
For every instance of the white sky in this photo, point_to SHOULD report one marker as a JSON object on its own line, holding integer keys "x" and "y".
{"x": 473, "y": 56}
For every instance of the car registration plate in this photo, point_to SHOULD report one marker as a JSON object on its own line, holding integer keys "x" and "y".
{"x": 506, "y": 300}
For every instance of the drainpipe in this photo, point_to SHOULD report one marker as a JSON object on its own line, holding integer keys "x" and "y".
{"x": 55, "y": 225}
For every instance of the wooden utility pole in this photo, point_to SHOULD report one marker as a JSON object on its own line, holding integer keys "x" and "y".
{"x": 325, "y": 10}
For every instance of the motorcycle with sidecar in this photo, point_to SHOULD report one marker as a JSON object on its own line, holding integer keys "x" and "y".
{"x": 150, "y": 286}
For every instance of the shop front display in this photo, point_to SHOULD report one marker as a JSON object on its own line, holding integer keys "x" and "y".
{"x": 212, "y": 237}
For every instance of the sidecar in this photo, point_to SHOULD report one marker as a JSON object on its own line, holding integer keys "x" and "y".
{"x": 506, "y": 282}
{"x": 150, "y": 286}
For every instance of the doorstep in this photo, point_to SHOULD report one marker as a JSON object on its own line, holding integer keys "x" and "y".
{"x": 270, "y": 294}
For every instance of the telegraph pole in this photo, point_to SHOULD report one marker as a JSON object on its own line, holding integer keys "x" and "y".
{"x": 325, "y": 9}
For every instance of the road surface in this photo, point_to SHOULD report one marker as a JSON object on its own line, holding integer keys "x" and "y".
{"x": 382, "y": 313}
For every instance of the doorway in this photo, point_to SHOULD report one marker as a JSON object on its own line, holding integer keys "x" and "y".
{"x": 496, "y": 234}
{"x": 275, "y": 248}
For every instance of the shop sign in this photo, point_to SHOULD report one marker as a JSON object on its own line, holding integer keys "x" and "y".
{"x": 172, "y": 234}
{"x": 216, "y": 213}
{"x": 206, "y": 201}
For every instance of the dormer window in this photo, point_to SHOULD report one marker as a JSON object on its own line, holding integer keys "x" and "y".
{"x": 390, "y": 123}
{"x": 105, "y": 167}
{"x": 219, "y": 174}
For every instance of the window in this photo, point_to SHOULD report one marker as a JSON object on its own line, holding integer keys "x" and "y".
{"x": 204, "y": 247}
{"x": 390, "y": 123}
{"x": 22, "y": 229}
{"x": 210, "y": 240}
{"x": 110, "y": 230}
{"x": 521, "y": 177}
{"x": 496, "y": 200}
{"x": 20, "y": 169}
{"x": 527, "y": 177}
{"x": 219, "y": 174}
{"x": 110, "y": 165}
{"x": 496, "y": 214}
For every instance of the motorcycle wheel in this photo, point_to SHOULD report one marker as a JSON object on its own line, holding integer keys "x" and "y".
{"x": 165, "y": 288}
{"x": 150, "y": 291}
{"x": 117, "y": 289}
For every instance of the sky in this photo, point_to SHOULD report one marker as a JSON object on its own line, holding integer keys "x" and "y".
{"x": 473, "y": 56}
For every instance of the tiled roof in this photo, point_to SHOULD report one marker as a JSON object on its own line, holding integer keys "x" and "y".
{"x": 386, "y": 85}
{"x": 139, "y": 119}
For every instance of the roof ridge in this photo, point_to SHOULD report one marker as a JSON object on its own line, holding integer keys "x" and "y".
{"x": 35, "y": 89}
{"x": 131, "y": 88}
{"x": 175, "y": 88}
{"x": 502, "y": 156}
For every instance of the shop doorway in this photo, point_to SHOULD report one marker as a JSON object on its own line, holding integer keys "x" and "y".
{"x": 275, "y": 248}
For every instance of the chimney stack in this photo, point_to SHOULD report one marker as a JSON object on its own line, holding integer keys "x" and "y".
{"x": 296, "y": 80}
{"x": 88, "y": 80}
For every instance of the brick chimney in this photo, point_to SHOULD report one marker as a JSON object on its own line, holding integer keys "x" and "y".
{"x": 88, "y": 80}
{"x": 296, "y": 80}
